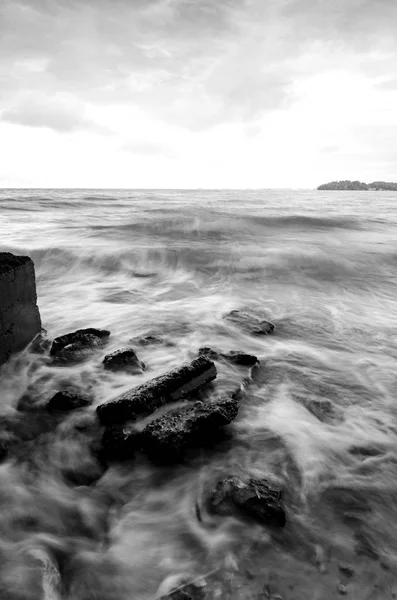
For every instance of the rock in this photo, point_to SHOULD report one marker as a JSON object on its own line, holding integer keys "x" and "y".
{"x": 165, "y": 439}
{"x": 123, "y": 360}
{"x": 187, "y": 592}
{"x": 19, "y": 315}
{"x": 234, "y": 356}
{"x": 253, "y": 498}
{"x": 347, "y": 570}
{"x": 342, "y": 590}
{"x": 3, "y": 450}
{"x": 41, "y": 344}
{"x": 250, "y": 322}
{"x": 146, "y": 398}
{"x": 119, "y": 443}
{"x": 66, "y": 401}
{"x": 149, "y": 339}
{"x": 78, "y": 345}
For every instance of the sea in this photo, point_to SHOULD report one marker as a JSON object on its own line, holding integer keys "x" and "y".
{"x": 318, "y": 417}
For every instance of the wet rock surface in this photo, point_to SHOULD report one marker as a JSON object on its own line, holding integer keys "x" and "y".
{"x": 165, "y": 439}
{"x": 19, "y": 315}
{"x": 151, "y": 339}
{"x": 253, "y": 498}
{"x": 250, "y": 322}
{"x": 233, "y": 356}
{"x": 67, "y": 400}
{"x": 124, "y": 359}
{"x": 120, "y": 443}
{"x": 78, "y": 345}
{"x": 146, "y": 398}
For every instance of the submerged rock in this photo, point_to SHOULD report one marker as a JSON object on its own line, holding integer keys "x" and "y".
{"x": 124, "y": 359}
{"x": 119, "y": 443}
{"x": 234, "y": 356}
{"x": 19, "y": 315}
{"x": 254, "y": 498}
{"x": 41, "y": 344}
{"x": 165, "y": 439}
{"x": 68, "y": 400}
{"x": 150, "y": 339}
{"x": 146, "y": 398}
{"x": 250, "y": 322}
{"x": 3, "y": 450}
{"x": 78, "y": 345}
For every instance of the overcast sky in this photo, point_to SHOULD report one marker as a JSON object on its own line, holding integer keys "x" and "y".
{"x": 197, "y": 93}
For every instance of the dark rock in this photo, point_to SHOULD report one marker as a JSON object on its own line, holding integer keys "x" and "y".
{"x": 186, "y": 592}
{"x": 346, "y": 570}
{"x": 165, "y": 439}
{"x": 250, "y": 322}
{"x": 78, "y": 345}
{"x": 235, "y": 357}
{"x": 150, "y": 339}
{"x": 123, "y": 360}
{"x": 41, "y": 344}
{"x": 365, "y": 451}
{"x": 3, "y": 450}
{"x": 146, "y": 398}
{"x": 120, "y": 443}
{"x": 19, "y": 315}
{"x": 67, "y": 400}
{"x": 253, "y": 498}
{"x": 323, "y": 409}
{"x": 365, "y": 545}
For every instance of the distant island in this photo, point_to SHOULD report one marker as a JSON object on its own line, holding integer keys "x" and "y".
{"x": 359, "y": 185}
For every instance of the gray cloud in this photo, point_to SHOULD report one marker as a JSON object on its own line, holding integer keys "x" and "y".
{"x": 197, "y": 63}
{"x": 57, "y": 114}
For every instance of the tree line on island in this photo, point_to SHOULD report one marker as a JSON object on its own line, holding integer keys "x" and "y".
{"x": 359, "y": 185}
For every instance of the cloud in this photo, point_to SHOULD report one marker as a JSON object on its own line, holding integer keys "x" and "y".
{"x": 197, "y": 63}
{"x": 60, "y": 113}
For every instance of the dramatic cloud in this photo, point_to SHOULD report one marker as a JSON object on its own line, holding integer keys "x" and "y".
{"x": 215, "y": 69}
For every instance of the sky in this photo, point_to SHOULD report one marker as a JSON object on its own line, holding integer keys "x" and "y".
{"x": 197, "y": 93}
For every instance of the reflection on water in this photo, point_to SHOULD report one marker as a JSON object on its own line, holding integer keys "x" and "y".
{"x": 318, "y": 420}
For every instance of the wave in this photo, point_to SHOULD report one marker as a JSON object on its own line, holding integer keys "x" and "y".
{"x": 306, "y": 222}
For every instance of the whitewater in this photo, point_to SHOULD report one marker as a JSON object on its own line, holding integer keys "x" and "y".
{"x": 318, "y": 419}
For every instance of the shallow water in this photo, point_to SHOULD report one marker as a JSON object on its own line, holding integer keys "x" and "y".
{"x": 319, "y": 418}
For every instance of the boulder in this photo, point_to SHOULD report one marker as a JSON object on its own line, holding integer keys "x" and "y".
{"x": 67, "y": 400}
{"x": 166, "y": 438}
{"x": 235, "y": 357}
{"x": 250, "y": 322}
{"x": 253, "y": 498}
{"x": 146, "y": 398}
{"x": 123, "y": 360}
{"x": 19, "y": 315}
{"x": 78, "y": 345}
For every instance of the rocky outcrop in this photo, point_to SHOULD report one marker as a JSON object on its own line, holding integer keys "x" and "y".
{"x": 123, "y": 360}
{"x": 250, "y": 322}
{"x": 253, "y": 498}
{"x": 166, "y": 438}
{"x": 67, "y": 400}
{"x": 235, "y": 357}
{"x": 146, "y": 398}
{"x": 19, "y": 315}
{"x": 78, "y": 345}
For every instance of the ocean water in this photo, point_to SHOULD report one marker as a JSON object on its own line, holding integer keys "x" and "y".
{"x": 318, "y": 419}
